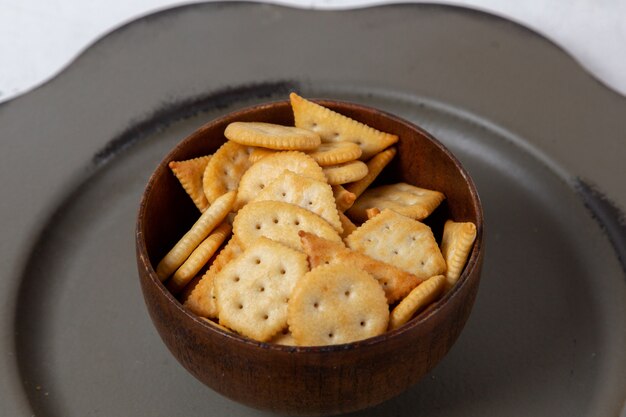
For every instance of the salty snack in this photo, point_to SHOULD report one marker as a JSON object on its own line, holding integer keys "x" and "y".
{"x": 347, "y": 225}
{"x": 224, "y": 170}
{"x": 335, "y": 304}
{"x": 423, "y": 295}
{"x": 401, "y": 241}
{"x": 259, "y": 153}
{"x": 263, "y": 172}
{"x": 395, "y": 282}
{"x": 272, "y": 136}
{"x": 198, "y": 232}
{"x": 335, "y": 127}
{"x": 343, "y": 198}
{"x": 280, "y": 222}
{"x": 456, "y": 244}
{"x": 313, "y": 195}
{"x": 345, "y": 173}
{"x": 253, "y": 290}
{"x": 374, "y": 167}
{"x": 189, "y": 173}
{"x": 403, "y": 198}
{"x": 333, "y": 153}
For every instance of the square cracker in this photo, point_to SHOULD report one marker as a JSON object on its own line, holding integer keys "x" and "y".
{"x": 400, "y": 241}
{"x": 253, "y": 290}
{"x": 403, "y": 198}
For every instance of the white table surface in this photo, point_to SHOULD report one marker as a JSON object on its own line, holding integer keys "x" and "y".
{"x": 39, "y": 38}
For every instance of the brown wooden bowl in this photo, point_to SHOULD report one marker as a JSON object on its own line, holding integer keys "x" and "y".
{"x": 309, "y": 380}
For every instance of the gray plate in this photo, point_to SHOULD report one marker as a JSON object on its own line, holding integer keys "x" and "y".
{"x": 543, "y": 140}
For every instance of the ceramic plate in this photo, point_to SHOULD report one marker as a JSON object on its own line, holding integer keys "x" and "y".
{"x": 543, "y": 140}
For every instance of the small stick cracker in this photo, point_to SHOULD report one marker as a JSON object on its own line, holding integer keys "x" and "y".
{"x": 315, "y": 196}
{"x": 343, "y": 198}
{"x": 198, "y": 232}
{"x": 347, "y": 225}
{"x": 262, "y": 173}
{"x": 402, "y": 198}
{"x": 253, "y": 290}
{"x": 189, "y": 173}
{"x": 335, "y": 127}
{"x": 423, "y": 295}
{"x": 372, "y": 212}
{"x": 280, "y": 222}
{"x": 345, "y": 173}
{"x": 201, "y": 301}
{"x": 333, "y": 153}
{"x": 225, "y": 169}
{"x": 334, "y": 304}
{"x": 272, "y": 136}
{"x": 374, "y": 167}
{"x": 400, "y": 241}
{"x": 395, "y": 282}
{"x": 456, "y": 244}
{"x": 198, "y": 258}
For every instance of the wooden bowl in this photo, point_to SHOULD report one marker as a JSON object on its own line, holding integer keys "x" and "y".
{"x": 309, "y": 380}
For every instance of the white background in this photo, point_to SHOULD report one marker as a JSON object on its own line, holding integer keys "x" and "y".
{"x": 38, "y": 38}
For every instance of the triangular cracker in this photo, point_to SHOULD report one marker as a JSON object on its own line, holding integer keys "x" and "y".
{"x": 253, "y": 290}
{"x": 395, "y": 282}
{"x": 335, "y": 127}
{"x": 189, "y": 173}
{"x": 225, "y": 169}
{"x": 400, "y": 241}
{"x": 315, "y": 196}
{"x": 456, "y": 244}
{"x": 406, "y": 199}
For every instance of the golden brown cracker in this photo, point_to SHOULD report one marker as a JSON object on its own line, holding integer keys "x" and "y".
{"x": 259, "y": 153}
{"x": 345, "y": 173}
{"x": 333, "y": 153}
{"x": 347, "y": 225}
{"x": 343, "y": 198}
{"x": 272, "y": 136}
{"x": 225, "y": 169}
{"x": 374, "y": 167}
{"x": 419, "y": 298}
{"x": 189, "y": 173}
{"x": 456, "y": 245}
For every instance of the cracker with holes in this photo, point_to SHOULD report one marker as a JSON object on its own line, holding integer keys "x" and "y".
{"x": 189, "y": 174}
{"x": 418, "y": 299}
{"x": 395, "y": 282}
{"x": 333, "y": 153}
{"x": 272, "y": 136}
{"x": 456, "y": 244}
{"x": 345, "y": 173}
{"x": 334, "y": 304}
{"x": 201, "y": 300}
{"x": 400, "y": 241}
{"x": 406, "y": 199}
{"x": 253, "y": 290}
{"x": 225, "y": 169}
{"x": 315, "y": 196}
{"x": 281, "y": 222}
{"x": 335, "y": 127}
{"x": 263, "y": 172}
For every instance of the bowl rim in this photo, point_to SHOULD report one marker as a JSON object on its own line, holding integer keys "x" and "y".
{"x": 428, "y": 314}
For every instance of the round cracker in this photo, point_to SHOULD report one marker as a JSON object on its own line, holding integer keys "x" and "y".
{"x": 345, "y": 173}
{"x": 225, "y": 169}
{"x": 337, "y": 303}
{"x": 333, "y": 153}
{"x": 272, "y": 136}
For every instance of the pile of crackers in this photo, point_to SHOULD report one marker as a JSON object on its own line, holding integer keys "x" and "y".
{"x": 292, "y": 245}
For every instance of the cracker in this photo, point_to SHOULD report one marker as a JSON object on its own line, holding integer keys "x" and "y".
{"x": 272, "y": 136}
{"x": 198, "y": 258}
{"x": 284, "y": 337}
{"x": 253, "y": 290}
{"x": 421, "y": 296}
{"x": 456, "y": 244}
{"x": 372, "y": 212}
{"x": 281, "y": 222}
{"x": 395, "y": 282}
{"x": 406, "y": 199}
{"x": 259, "y": 153}
{"x": 262, "y": 173}
{"x": 374, "y": 168}
{"x": 345, "y": 173}
{"x": 315, "y": 196}
{"x": 225, "y": 169}
{"x": 198, "y": 232}
{"x": 334, "y": 304}
{"x": 189, "y": 173}
{"x": 400, "y": 241}
{"x": 347, "y": 225}
{"x": 214, "y": 324}
{"x": 334, "y": 127}
{"x": 201, "y": 301}
{"x": 333, "y": 153}
{"x": 343, "y": 198}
